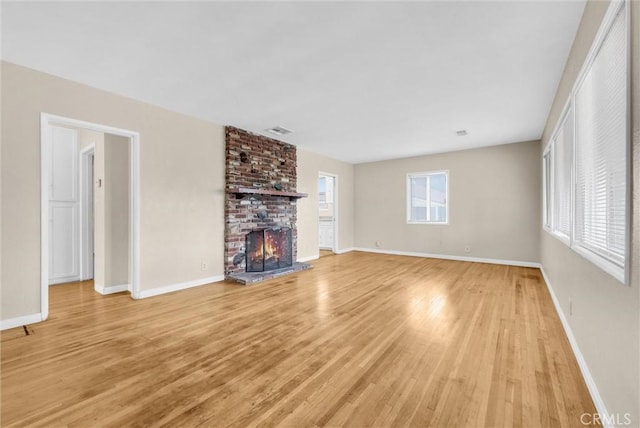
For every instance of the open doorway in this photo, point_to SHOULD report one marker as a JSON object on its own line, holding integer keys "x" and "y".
{"x": 87, "y": 220}
{"x": 327, "y": 214}
{"x": 89, "y": 217}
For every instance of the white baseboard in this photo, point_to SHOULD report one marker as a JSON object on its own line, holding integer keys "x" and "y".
{"x": 180, "y": 286}
{"x": 65, "y": 280}
{"x": 111, "y": 289}
{"x": 317, "y": 256}
{"x": 450, "y": 257}
{"x": 307, "y": 259}
{"x": 586, "y": 374}
{"x": 20, "y": 321}
{"x": 345, "y": 250}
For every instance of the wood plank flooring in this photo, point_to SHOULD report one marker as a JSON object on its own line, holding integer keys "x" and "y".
{"x": 360, "y": 340}
{"x": 324, "y": 253}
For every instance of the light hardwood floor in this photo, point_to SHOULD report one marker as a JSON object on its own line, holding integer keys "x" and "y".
{"x": 360, "y": 340}
{"x": 325, "y": 253}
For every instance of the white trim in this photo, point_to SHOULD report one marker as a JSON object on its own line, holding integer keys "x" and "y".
{"x": 567, "y": 112}
{"x": 630, "y": 144}
{"x": 317, "y": 256}
{"x": 45, "y": 121}
{"x": 134, "y": 224}
{"x": 345, "y": 250}
{"x": 306, "y": 259}
{"x": 616, "y": 271}
{"x": 561, "y": 236}
{"x": 86, "y": 257}
{"x": 450, "y": 257}
{"x": 111, "y": 289}
{"x": 442, "y": 223}
{"x": 584, "y": 369}
{"x": 45, "y": 156}
{"x": 20, "y": 321}
{"x": 65, "y": 280}
{"x": 547, "y": 196}
{"x": 335, "y": 208}
{"x": 180, "y": 286}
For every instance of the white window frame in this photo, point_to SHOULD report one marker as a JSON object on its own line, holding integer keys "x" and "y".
{"x": 547, "y": 189}
{"x": 566, "y": 112}
{"x": 613, "y": 269}
{"x": 447, "y": 205}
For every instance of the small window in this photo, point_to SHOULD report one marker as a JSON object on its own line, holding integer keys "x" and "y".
{"x": 427, "y": 197}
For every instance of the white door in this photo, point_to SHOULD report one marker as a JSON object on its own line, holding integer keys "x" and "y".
{"x": 64, "y": 213}
{"x": 326, "y": 212}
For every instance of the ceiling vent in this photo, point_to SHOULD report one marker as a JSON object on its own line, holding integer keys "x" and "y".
{"x": 461, "y": 133}
{"x": 278, "y": 130}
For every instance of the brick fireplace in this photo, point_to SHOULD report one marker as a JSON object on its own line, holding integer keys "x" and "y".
{"x": 261, "y": 195}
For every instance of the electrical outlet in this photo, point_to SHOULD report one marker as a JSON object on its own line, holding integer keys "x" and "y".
{"x": 467, "y": 248}
{"x": 378, "y": 244}
{"x": 203, "y": 266}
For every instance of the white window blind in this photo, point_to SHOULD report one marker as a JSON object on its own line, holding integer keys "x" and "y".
{"x": 562, "y": 161}
{"x": 601, "y": 150}
{"x": 546, "y": 171}
{"x": 427, "y": 197}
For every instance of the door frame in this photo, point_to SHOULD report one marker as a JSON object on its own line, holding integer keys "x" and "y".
{"x": 46, "y": 121}
{"x": 335, "y": 208}
{"x": 87, "y": 270}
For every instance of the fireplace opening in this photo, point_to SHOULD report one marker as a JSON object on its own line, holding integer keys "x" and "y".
{"x": 269, "y": 249}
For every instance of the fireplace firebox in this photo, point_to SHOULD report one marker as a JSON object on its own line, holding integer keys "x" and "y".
{"x": 269, "y": 249}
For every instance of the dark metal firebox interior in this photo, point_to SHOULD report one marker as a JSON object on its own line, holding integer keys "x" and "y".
{"x": 269, "y": 249}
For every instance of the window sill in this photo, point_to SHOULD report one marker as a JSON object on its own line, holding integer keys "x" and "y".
{"x": 445, "y": 223}
{"x": 561, "y": 237}
{"x": 601, "y": 263}
{"x": 609, "y": 267}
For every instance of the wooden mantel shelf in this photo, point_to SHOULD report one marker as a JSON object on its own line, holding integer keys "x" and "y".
{"x": 252, "y": 191}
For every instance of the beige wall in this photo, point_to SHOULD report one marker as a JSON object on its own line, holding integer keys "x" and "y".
{"x": 309, "y": 167}
{"x": 181, "y": 183}
{"x": 88, "y": 137}
{"x": 99, "y": 208}
{"x": 605, "y": 314}
{"x": 493, "y": 204}
{"x": 116, "y": 188}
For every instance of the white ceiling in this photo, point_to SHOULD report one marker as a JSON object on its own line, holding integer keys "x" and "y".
{"x": 357, "y": 81}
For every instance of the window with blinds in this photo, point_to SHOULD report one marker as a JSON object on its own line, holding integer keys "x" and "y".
{"x": 562, "y": 164}
{"x": 546, "y": 171}
{"x": 601, "y": 150}
{"x": 585, "y": 167}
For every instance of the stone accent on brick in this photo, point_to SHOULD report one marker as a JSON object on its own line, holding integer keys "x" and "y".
{"x": 256, "y": 161}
